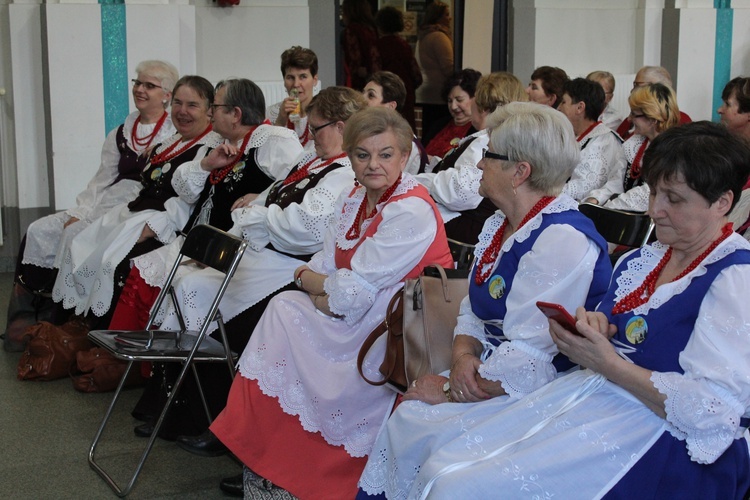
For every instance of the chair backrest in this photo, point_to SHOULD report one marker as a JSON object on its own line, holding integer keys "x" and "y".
{"x": 463, "y": 253}
{"x": 211, "y": 247}
{"x": 632, "y": 229}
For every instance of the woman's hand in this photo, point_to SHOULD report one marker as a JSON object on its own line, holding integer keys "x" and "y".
{"x": 288, "y": 106}
{"x": 320, "y": 301}
{"x": 465, "y": 385}
{"x": 244, "y": 201}
{"x": 70, "y": 221}
{"x": 428, "y": 389}
{"x": 146, "y": 234}
{"x": 590, "y": 347}
{"x": 593, "y": 201}
{"x": 220, "y": 157}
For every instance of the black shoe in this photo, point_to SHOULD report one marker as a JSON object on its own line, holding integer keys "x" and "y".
{"x": 232, "y": 485}
{"x": 144, "y": 430}
{"x": 205, "y": 445}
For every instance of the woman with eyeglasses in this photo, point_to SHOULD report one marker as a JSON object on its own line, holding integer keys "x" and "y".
{"x": 653, "y": 109}
{"x": 116, "y": 181}
{"x": 536, "y": 247}
{"x": 97, "y": 260}
{"x": 453, "y": 181}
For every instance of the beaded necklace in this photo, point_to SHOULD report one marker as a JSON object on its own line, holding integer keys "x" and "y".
{"x": 145, "y": 142}
{"x": 640, "y": 295}
{"x": 484, "y": 267}
{"x": 635, "y": 167}
{"x": 301, "y": 172}
{"x": 586, "y": 132}
{"x": 218, "y": 175}
{"x": 168, "y": 153}
{"x": 353, "y": 232}
{"x": 305, "y": 137}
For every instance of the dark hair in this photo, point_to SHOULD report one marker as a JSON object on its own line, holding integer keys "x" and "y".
{"x": 433, "y": 13}
{"x": 200, "y": 85}
{"x": 466, "y": 79}
{"x": 711, "y": 160}
{"x": 358, "y": 11}
{"x": 336, "y": 103}
{"x": 393, "y": 86}
{"x": 246, "y": 95}
{"x": 553, "y": 80}
{"x": 300, "y": 58}
{"x": 390, "y": 20}
{"x": 740, "y": 87}
{"x": 590, "y": 92}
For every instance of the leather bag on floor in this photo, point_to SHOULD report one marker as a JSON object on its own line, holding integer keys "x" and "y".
{"x": 51, "y": 351}
{"x": 99, "y": 371}
{"x": 419, "y": 326}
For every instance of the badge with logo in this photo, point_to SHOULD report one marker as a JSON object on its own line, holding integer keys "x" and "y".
{"x": 636, "y": 330}
{"x": 497, "y": 287}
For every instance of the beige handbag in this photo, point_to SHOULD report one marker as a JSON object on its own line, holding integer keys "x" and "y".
{"x": 419, "y": 321}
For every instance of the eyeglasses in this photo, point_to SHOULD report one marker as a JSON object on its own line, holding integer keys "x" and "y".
{"x": 213, "y": 107}
{"x": 486, "y": 153}
{"x": 636, "y": 115}
{"x": 146, "y": 85}
{"x": 315, "y": 130}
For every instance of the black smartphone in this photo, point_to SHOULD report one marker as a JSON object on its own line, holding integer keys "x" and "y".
{"x": 559, "y": 314}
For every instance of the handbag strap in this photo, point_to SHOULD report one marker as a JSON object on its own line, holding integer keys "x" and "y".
{"x": 374, "y": 335}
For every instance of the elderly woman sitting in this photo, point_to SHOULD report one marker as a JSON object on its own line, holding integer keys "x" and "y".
{"x": 662, "y": 408}
{"x": 116, "y": 181}
{"x": 298, "y": 399}
{"x": 543, "y": 249}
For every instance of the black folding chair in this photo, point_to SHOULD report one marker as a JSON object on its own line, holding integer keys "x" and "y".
{"x": 630, "y": 229}
{"x": 463, "y": 253}
{"x": 206, "y": 246}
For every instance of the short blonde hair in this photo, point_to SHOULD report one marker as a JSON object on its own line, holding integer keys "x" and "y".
{"x": 658, "y": 102}
{"x": 166, "y": 73}
{"x": 498, "y": 89}
{"x": 603, "y": 77}
{"x": 375, "y": 121}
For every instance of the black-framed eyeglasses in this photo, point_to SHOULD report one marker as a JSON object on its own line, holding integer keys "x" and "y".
{"x": 315, "y": 130}
{"x": 146, "y": 85}
{"x": 486, "y": 153}
{"x": 213, "y": 107}
{"x": 636, "y": 115}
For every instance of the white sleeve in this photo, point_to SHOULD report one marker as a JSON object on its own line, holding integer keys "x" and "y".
{"x": 299, "y": 228}
{"x": 704, "y": 405}
{"x": 87, "y": 200}
{"x": 559, "y": 268}
{"x": 601, "y": 156}
{"x": 458, "y": 188}
{"x": 189, "y": 180}
{"x": 324, "y": 262}
{"x": 383, "y": 259}
{"x": 279, "y": 154}
{"x": 635, "y": 199}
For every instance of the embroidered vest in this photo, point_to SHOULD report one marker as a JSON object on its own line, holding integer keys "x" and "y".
{"x": 128, "y": 167}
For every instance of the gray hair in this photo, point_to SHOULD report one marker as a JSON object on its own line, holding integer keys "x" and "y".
{"x": 657, "y": 74}
{"x": 246, "y": 95}
{"x": 161, "y": 70}
{"x": 539, "y": 135}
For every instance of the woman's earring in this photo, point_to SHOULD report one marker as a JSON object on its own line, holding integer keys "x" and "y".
{"x": 513, "y": 185}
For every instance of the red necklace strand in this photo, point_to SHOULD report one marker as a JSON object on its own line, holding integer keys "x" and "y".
{"x": 640, "y": 295}
{"x": 484, "y": 267}
{"x": 586, "y": 132}
{"x": 169, "y": 153}
{"x": 301, "y": 172}
{"x": 305, "y": 137}
{"x": 218, "y": 175}
{"x": 145, "y": 142}
{"x": 353, "y": 232}
{"x": 635, "y": 168}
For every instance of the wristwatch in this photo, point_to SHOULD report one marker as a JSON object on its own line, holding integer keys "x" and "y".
{"x": 447, "y": 391}
{"x": 298, "y": 280}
